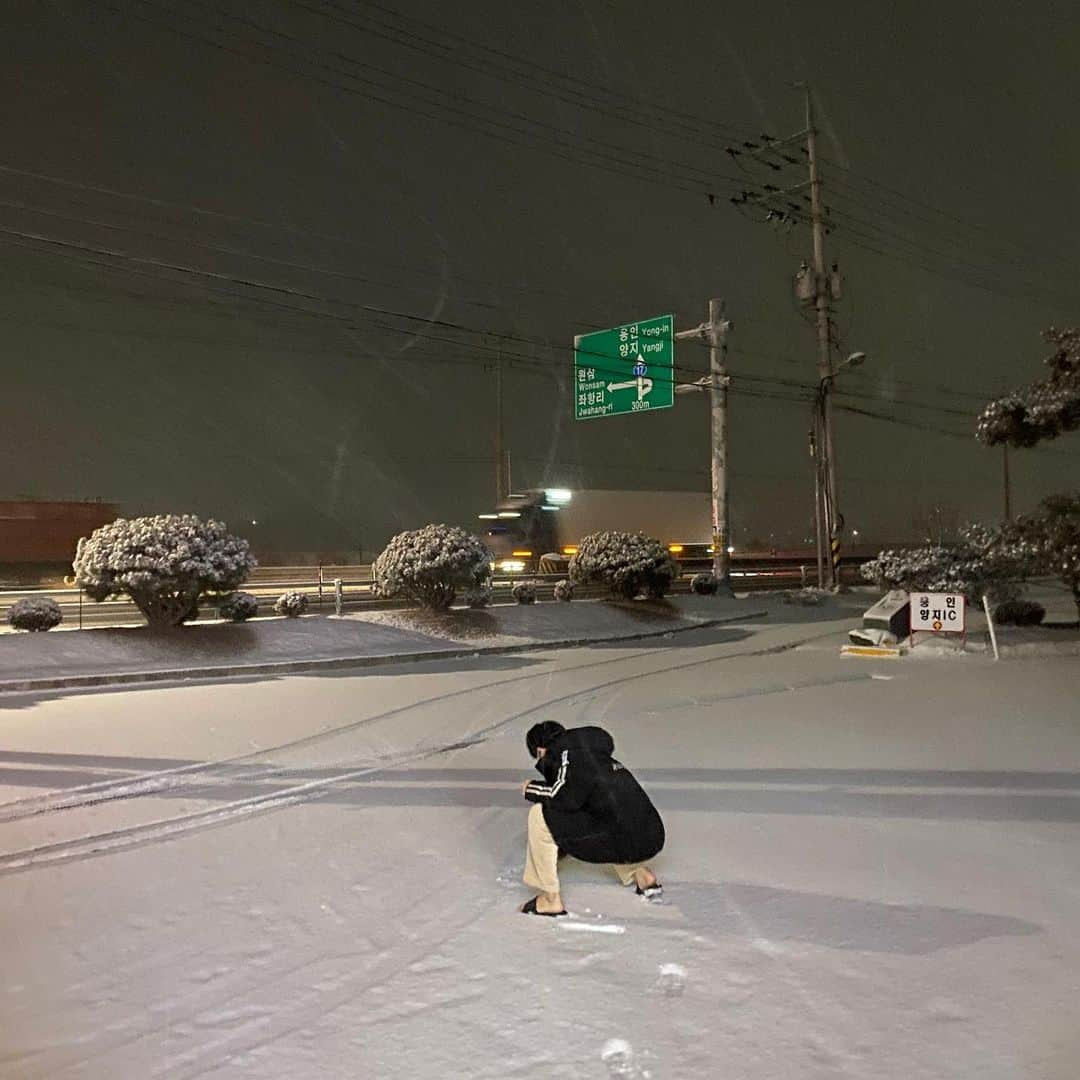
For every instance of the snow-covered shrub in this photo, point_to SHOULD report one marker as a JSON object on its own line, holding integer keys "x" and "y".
{"x": 35, "y": 613}
{"x": 1019, "y": 613}
{"x": 479, "y": 596}
{"x": 429, "y": 565}
{"x": 979, "y": 562}
{"x": 164, "y": 563}
{"x": 628, "y": 563}
{"x": 704, "y": 584}
{"x": 291, "y": 604}
{"x": 524, "y": 592}
{"x": 239, "y": 606}
{"x": 1049, "y": 540}
{"x": 564, "y": 590}
{"x": 809, "y": 597}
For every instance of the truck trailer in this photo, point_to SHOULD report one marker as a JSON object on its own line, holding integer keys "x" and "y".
{"x": 550, "y": 523}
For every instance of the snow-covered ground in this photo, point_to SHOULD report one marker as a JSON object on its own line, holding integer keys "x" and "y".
{"x": 872, "y": 871}
{"x": 224, "y": 646}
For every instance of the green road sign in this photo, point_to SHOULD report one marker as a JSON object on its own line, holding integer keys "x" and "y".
{"x": 626, "y": 369}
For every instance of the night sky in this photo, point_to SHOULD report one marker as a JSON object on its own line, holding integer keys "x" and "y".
{"x": 267, "y": 279}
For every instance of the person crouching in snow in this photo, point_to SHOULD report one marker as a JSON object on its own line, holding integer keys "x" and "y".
{"x": 590, "y": 806}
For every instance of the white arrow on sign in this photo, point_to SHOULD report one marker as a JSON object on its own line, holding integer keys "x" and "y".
{"x": 642, "y": 385}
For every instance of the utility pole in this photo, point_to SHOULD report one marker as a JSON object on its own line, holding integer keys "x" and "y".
{"x": 502, "y": 478}
{"x": 819, "y": 531}
{"x": 824, "y": 362}
{"x": 718, "y": 394}
{"x": 714, "y": 333}
{"x": 785, "y": 208}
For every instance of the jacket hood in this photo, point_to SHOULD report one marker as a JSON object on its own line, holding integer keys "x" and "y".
{"x": 593, "y": 739}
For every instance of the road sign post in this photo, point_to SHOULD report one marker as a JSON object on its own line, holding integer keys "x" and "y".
{"x": 626, "y": 369}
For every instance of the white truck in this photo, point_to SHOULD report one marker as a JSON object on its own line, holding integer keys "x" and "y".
{"x": 551, "y": 522}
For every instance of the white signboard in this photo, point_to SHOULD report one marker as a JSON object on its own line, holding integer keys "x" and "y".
{"x": 937, "y": 613}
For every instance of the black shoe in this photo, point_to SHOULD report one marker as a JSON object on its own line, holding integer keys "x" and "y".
{"x": 650, "y": 892}
{"x": 529, "y": 908}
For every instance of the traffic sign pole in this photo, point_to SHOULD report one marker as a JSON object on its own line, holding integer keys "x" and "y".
{"x": 631, "y": 368}
{"x": 714, "y": 333}
{"x": 718, "y": 393}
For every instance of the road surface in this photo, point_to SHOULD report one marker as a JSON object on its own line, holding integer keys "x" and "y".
{"x": 872, "y": 870}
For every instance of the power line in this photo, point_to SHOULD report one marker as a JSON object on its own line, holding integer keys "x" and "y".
{"x": 696, "y": 124}
{"x": 545, "y": 137}
{"x": 221, "y": 250}
{"x": 86, "y": 249}
{"x": 803, "y": 390}
{"x": 992, "y": 261}
{"x": 882, "y": 234}
{"x": 896, "y": 195}
{"x": 741, "y": 350}
{"x": 623, "y": 162}
{"x": 789, "y": 392}
{"x": 345, "y": 241}
{"x": 899, "y": 209}
{"x": 872, "y": 244}
{"x": 272, "y": 260}
{"x": 281, "y": 294}
{"x": 884, "y": 417}
{"x": 877, "y": 235}
{"x": 166, "y": 204}
{"x": 881, "y": 240}
{"x": 506, "y": 67}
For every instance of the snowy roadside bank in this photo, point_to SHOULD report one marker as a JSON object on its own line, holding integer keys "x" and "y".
{"x": 321, "y": 643}
{"x": 547, "y": 622}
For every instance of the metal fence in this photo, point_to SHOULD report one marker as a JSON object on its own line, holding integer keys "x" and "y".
{"x": 319, "y": 583}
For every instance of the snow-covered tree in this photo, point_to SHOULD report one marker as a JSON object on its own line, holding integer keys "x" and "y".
{"x": 564, "y": 591}
{"x": 1044, "y": 409}
{"x": 164, "y": 563}
{"x": 628, "y": 563}
{"x": 1049, "y": 539}
{"x": 978, "y": 562}
{"x": 431, "y": 564}
{"x": 35, "y": 613}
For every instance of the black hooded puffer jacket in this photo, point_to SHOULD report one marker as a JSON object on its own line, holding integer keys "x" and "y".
{"x": 594, "y": 807}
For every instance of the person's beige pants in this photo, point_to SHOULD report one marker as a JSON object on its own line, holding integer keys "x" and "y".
{"x": 542, "y": 857}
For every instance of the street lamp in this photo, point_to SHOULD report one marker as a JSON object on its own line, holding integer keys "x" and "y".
{"x": 853, "y": 360}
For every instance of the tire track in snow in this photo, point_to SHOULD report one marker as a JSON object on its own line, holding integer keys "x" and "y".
{"x": 166, "y": 780}
{"x": 161, "y": 829}
{"x": 314, "y": 1004}
{"x": 308, "y": 1004}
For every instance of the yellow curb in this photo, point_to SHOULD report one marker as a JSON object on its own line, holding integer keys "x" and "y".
{"x": 882, "y": 652}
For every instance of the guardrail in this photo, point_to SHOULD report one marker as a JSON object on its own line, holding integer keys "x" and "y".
{"x": 318, "y": 583}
